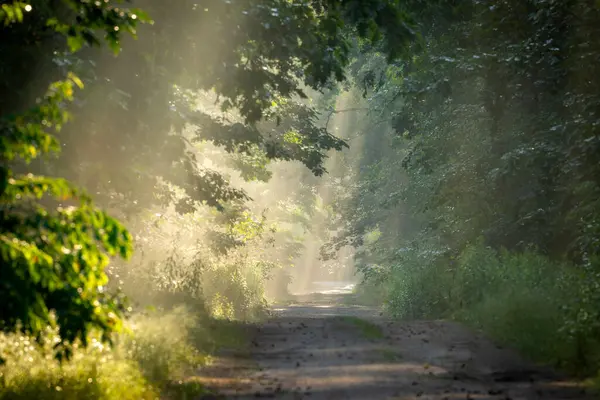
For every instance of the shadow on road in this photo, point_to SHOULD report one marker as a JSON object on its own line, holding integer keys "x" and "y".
{"x": 321, "y": 348}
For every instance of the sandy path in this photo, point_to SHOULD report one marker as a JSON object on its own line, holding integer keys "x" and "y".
{"x": 316, "y": 351}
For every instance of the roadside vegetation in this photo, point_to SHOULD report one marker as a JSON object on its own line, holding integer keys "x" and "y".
{"x": 167, "y": 169}
{"x": 475, "y": 196}
{"x": 156, "y": 358}
{"x": 158, "y": 171}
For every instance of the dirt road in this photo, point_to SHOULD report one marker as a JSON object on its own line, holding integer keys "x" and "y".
{"x": 316, "y": 350}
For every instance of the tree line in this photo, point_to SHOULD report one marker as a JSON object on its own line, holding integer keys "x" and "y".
{"x": 478, "y": 196}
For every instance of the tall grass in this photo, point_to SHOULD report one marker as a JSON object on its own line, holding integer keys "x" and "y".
{"x": 150, "y": 362}
{"x": 163, "y": 345}
{"x": 549, "y": 311}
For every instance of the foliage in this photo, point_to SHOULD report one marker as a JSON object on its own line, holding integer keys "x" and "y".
{"x": 517, "y": 298}
{"x": 150, "y": 361}
{"x": 172, "y": 87}
{"x": 95, "y": 373}
{"x": 219, "y": 261}
{"x": 54, "y": 244}
{"x": 164, "y": 345}
{"x": 486, "y": 130}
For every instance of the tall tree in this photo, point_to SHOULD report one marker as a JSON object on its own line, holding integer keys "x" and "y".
{"x": 132, "y": 125}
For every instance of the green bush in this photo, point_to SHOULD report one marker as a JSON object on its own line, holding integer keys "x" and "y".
{"x": 418, "y": 285}
{"x": 163, "y": 345}
{"x": 235, "y": 290}
{"x": 548, "y": 311}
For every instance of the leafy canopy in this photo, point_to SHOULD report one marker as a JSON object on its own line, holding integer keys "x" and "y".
{"x": 55, "y": 244}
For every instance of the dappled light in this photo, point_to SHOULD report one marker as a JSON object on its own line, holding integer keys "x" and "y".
{"x": 376, "y": 199}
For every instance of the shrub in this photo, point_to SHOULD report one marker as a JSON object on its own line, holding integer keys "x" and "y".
{"x": 547, "y": 310}
{"x": 163, "y": 345}
{"x": 417, "y": 286}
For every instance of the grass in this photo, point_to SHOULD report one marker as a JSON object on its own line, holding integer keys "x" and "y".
{"x": 156, "y": 360}
{"x": 95, "y": 373}
{"x": 367, "y": 329}
{"x": 546, "y": 310}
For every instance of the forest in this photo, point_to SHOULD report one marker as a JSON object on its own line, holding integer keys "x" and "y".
{"x": 171, "y": 171}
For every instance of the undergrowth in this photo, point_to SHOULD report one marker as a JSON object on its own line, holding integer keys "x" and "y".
{"x": 151, "y": 361}
{"x": 366, "y": 294}
{"x": 548, "y": 311}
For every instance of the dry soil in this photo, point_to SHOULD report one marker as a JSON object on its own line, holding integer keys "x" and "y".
{"x": 321, "y": 349}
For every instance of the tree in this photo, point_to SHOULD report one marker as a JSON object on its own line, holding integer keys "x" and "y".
{"x": 55, "y": 243}
{"x": 483, "y": 123}
{"x": 492, "y": 132}
{"x": 145, "y": 103}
